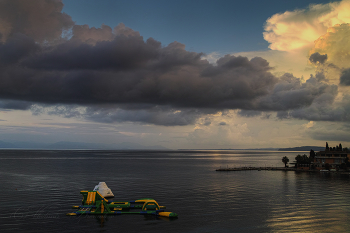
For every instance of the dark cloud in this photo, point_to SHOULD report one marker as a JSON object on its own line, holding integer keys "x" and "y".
{"x": 159, "y": 115}
{"x": 17, "y": 47}
{"x": 136, "y": 77}
{"x": 249, "y": 113}
{"x": 91, "y": 35}
{"x": 283, "y": 115}
{"x": 129, "y": 70}
{"x": 338, "y": 135}
{"x": 41, "y": 20}
{"x": 322, "y": 109}
{"x": 115, "y": 75}
{"x": 15, "y": 105}
{"x": 254, "y": 113}
{"x": 291, "y": 93}
{"x": 320, "y": 76}
{"x": 123, "y": 53}
{"x": 222, "y": 123}
{"x": 318, "y": 58}
{"x": 345, "y": 78}
{"x": 266, "y": 116}
{"x": 207, "y": 121}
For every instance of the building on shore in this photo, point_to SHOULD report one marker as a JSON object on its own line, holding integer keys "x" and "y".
{"x": 333, "y": 156}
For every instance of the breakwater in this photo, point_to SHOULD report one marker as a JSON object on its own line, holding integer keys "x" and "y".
{"x": 257, "y": 168}
{"x": 278, "y": 169}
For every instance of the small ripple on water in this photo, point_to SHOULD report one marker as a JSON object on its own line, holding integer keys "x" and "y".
{"x": 206, "y": 201}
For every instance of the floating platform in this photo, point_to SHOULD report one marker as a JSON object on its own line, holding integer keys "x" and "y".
{"x": 94, "y": 203}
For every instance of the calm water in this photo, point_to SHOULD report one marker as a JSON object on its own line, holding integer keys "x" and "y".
{"x": 39, "y": 188}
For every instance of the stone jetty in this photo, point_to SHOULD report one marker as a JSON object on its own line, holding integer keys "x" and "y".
{"x": 277, "y": 169}
{"x": 256, "y": 168}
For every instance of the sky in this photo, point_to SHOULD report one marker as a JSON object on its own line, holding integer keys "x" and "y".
{"x": 181, "y": 74}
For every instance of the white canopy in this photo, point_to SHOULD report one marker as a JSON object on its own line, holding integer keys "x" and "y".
{"x": 103, "y": 189}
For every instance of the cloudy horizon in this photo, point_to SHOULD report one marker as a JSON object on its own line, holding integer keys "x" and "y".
{"x": 61, "y": 80}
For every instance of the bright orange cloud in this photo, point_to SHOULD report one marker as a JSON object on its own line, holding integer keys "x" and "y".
{"x": 299, "y": 29}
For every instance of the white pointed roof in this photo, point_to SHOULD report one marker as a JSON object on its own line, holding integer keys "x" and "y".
{"x": 103, "y": 189}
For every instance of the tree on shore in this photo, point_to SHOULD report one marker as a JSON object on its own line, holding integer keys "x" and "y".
{"x": 285, "y": 160}
{"x": 302, "y": 159}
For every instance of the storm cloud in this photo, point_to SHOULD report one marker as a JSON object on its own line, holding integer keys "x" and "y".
{"x": 13, "y": 104}
{"x": 345, "y": 78}
{"x": 130, "y": 70}
{"x": 317, "y": 57}
{"x": 158, "y": 115}
{"x": 291, "y": 93}
{"x": 115, "y": 75}
{"x": 41, "y": 20}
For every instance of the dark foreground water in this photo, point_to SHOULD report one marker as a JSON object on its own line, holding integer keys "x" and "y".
{"x": 39, "y": 187}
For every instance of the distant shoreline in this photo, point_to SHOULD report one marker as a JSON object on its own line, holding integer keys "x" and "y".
{"x": 301, "y": 148}
{"x": 156, "y": 149}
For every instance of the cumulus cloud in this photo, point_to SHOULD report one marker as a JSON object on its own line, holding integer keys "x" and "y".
{"x": 15, "y": 105}
{"x": 299, "y": 29}
{"x": 334, "y": 67}
{"x": 41, "y": 20}
{"x": 331, "y": 58}
{"x": 292, "y": 93}
{"x": 320, "y": 76}
{"x": 120, "y": 54}
{"x": 115, "y": 75}
{"x": 249, "y": 113}
{"x": 131, "y": 70}
{"x": 317, "y": 57}
{"x": 17, "y": 47}
{"x": 283, "y": 61}
{"x": 323, "y": 108}
{"x": 345, "y": 78}
{"x": 334, "y": 133}
{"x": 143, "y": 80}
{"x": 159, "y": 115}
{"x": 91, "y": 35}
{"x": 335, "y": 43}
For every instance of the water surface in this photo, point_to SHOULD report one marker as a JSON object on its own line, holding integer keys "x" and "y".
{"x": 39, "y": 188}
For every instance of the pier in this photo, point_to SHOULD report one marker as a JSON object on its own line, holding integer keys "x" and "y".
{"x": 256, "y": 168}
{"x": 278, "y": 169}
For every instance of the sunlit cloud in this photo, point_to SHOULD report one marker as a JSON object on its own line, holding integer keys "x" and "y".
{"x": 298, "y": 29}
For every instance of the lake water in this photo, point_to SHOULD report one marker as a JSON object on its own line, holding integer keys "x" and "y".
{"x": 39, "y": 188}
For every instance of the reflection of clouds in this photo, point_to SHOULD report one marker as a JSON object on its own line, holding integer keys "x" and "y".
{"x": 309, "y": 203}
{"x": 41, "y": 211}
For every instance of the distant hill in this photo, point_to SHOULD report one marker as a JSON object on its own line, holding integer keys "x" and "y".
{"x": 7, "y": 145}
{"x": 268, "y": 149}
{"x": 22, "y": 145}
{"x": 74, "y": 145}
{"x": 303, "y": 148}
